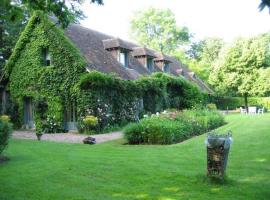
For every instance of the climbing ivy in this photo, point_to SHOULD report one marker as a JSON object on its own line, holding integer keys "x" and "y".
{"x": 29, "y": 77}
{"x": 65, "y": 82}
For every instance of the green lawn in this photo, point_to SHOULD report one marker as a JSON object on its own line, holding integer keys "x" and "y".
{"x": 48, "y": 170}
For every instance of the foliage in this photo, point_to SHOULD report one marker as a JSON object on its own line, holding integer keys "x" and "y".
{"x": 117, "y": 101}
{"x": 111, "y": 99}
{"x": 5, "y": 132}
{"x": 28, "y": 77}
{"x": 4, "y": 118}
{"x": 51, "y": 125}
{"x": 12, "y": 22}
{"x": 211, "y": 106}
{"x": 65, "y": 12}
{"x": 239, "y": 66}
{"x": 231, "y": 103}
{"x": 172, "y": 127}
{"x": 202, "y": 120}
{"x": 201, "y": 56}
{"x": 156, "y": 130}
{"x": 90, "y": 122}
{"x": 161, "y": 91}
{"x": 156, "y": 28}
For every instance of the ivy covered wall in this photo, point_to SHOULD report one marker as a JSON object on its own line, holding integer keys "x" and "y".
{"x": 51, "y": 85}
{"x": 65, "y": 83}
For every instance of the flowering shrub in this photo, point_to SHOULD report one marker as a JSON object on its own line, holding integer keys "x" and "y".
{"x": 51, "y": 125}
{"x": 171, "y": 127}
{"x": 115, "y": 101}
{"x": 90, "y": 122}
{"x": 5, "y": 118}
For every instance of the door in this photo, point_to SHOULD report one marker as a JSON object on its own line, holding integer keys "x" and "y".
{"x": 71, "y": 117}
{"x": 28, "y": 113}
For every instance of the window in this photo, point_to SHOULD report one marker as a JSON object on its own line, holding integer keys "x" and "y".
{"x": 123, "y": 58}
{"x": 149, "y": 64}
{"x": 166, "y": 67}
{"x": 46, "y": 57}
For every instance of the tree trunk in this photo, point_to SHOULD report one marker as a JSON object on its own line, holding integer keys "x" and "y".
{"x": 246, "y": 102}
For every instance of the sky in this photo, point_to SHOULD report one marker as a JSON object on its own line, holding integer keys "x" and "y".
{"x": 204, "y": 18}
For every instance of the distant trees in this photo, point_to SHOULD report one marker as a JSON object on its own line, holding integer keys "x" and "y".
{"x": 242, "y": 67}
{"x": 157, "y": 29}
{"x": 202, "y": 54}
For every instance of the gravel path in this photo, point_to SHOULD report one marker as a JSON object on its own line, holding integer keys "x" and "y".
{"x": 67, "y": 137}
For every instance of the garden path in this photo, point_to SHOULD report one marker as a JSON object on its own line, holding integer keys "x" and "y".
{"x": 67, "y": 137}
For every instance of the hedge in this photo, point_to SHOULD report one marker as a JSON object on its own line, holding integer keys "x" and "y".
{"x": 117, "y": 101}
{"x": 231, "y": 103}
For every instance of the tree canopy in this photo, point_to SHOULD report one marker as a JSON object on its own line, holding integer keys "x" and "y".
{"x": 157, "y": 29}
{"x": 202, "y": 54}
{"x": 240, "y": 67}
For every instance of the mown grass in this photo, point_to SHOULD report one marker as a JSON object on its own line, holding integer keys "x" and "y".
{"x": 48, "y": 170}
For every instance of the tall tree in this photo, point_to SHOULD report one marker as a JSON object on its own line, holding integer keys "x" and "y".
{"x": 238, "y": 70}
{"x": 157, "y": 29}
{"x": 202, "y": 54}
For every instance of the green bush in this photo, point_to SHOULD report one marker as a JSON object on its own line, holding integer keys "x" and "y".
{"x": 117, "y": 101}
{"x": 202, "y": 120}
{"x": 156, "y": 130}
{"x": 173, "y": 127}
{"x": 5, "y": 133}
{"x": 231, "y": 103}
{"x": 211, "y": 106}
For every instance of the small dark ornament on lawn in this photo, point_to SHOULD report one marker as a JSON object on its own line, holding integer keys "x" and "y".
{"x": 89, "y": 140}
{"x": 218, "y": 147}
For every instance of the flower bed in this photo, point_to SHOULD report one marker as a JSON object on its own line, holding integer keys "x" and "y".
{"x": 172, "y": 127}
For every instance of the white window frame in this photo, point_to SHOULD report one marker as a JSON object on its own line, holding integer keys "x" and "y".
{"x": 123, "y": 58}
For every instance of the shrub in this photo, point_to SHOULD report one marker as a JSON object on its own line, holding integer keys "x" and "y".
{"x": 211, "y": 106}
{"x": 90, "y": 123}
{"x": 201, "y": 120}
{"x": 5, "y": 133}
{"x": 231, "y": 103}
{"x": 156, "y": 130}
{"x": 4, "y": 118}
{"x": 173, "y": 126}
{"x": 51, "y": 125}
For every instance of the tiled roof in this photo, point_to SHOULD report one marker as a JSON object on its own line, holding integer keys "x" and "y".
{"x": 95, "y": 45}
{"x": 143, "y": 51}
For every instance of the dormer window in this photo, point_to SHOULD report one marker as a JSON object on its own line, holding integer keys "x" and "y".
{"x": 123, "y": 58}
{"x": 166, "y": 67}
{"x": 149, "y": 64}
{"x": 46, "y": 57}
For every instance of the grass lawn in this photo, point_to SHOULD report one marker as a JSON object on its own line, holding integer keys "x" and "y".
{"x": 48, "y": 170}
